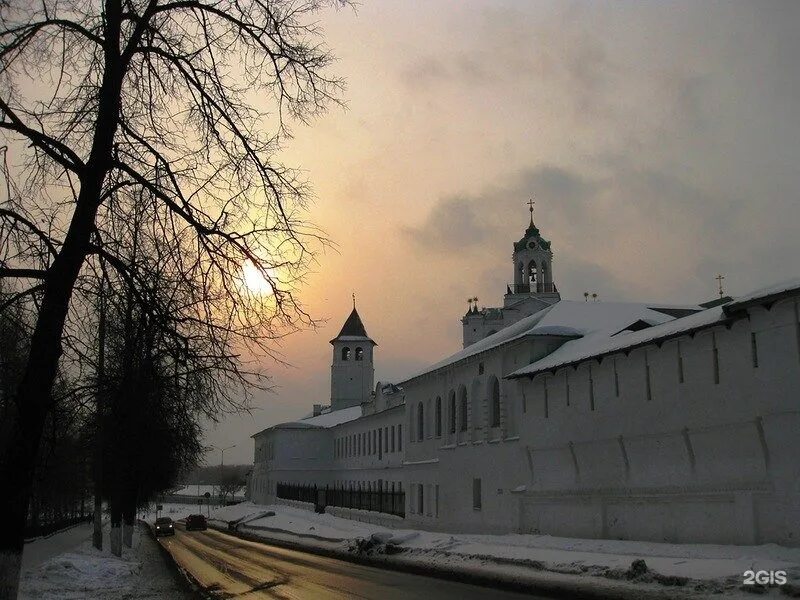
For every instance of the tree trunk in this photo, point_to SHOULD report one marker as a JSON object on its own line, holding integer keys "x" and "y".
{"x": 19, "y": 451}
{"x": 115, "y": 540}
{"x": 97, "y": 535}
{"x": 128, "y": 519}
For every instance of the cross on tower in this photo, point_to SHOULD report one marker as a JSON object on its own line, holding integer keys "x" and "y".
{"x": 719, "y": 279}
{"x": 530, "y": 204}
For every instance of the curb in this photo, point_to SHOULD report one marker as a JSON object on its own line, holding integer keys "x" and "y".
{"x": 184, "y": 578}
{"x": 546, "y": 583}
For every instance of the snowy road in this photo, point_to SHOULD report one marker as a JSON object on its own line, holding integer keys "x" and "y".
{"x": 236, "y": 567}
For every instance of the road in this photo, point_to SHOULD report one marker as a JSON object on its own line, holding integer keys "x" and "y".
{"x": 231, "y": 567}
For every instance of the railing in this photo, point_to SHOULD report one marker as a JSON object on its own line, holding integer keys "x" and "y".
{"x": 389, "y": 502}
{"x": 537, "y": 287}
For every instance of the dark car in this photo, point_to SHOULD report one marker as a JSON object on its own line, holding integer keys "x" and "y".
{"x": 164, "y": 526}
{"x": 196, "y": 522}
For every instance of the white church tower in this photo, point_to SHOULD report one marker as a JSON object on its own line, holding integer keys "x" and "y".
{"x": 531, "y": 290}
{"x": 533, "y": 269}
{"x": 352, "y": 370}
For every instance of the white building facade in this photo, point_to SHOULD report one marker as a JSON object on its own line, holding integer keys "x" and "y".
{"x": 584, "y": 419}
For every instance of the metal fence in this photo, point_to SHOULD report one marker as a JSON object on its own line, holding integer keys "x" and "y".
{"x": 389, "y": 502}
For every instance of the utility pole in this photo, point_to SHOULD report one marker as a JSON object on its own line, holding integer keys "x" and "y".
{"x": 221, "y": 463}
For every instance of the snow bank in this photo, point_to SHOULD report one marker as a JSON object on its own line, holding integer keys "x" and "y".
{"x": 716, "y": 565}
{"x": 84, "y": 572}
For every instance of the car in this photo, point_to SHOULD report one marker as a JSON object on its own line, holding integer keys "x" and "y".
{"x": 196, "y": 522}
{"x": 164, "y": 526}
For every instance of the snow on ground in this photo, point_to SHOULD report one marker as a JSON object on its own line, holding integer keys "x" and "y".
{"x": 698, "y": 562}
{"x": 84, "y": 572}
{"x": 44, "y": 548}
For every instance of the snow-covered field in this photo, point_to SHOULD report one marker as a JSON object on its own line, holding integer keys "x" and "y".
{"x": 67, "y": 567}
{"x": 699, "y": 565}
{"x": 198, "y": 491}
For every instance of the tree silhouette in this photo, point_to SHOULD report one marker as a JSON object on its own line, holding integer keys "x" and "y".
{"x": 182, "y": 102}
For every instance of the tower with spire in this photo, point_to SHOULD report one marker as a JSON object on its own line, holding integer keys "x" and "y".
{"x": 532, "y": 288}
{"x": 352, "y": 369}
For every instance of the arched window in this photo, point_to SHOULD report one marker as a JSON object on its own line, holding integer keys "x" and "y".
{"x": 420, "y": 422}
{"x": 438, "y": 416}
{"x": 477, "y": 397}
{"x": 359, "y": 353}
{"x": 345, "y": 353}
{"x": 452, "y": 408}
{"x": 462, "y": 405}
{"x": 494, "y": 395}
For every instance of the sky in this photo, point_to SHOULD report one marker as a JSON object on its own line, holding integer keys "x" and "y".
{"x": 659, "y": 140}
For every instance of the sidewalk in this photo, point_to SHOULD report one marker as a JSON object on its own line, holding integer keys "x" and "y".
{"x": 81, "y": 572}
{"x": 667, "y": 570}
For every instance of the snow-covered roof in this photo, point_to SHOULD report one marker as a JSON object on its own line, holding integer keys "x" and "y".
{"x": 326, "y": 420}
{"x": 565, "y": 318}
{"x": 777, "y": 289}
{"x": 334, "y": 417}
{"x": 607, "y": 339}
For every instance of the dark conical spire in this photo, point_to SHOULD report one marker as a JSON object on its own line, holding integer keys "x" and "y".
{"x": 353, "y": 327}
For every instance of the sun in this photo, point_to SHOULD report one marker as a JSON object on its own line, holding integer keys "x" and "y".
{"x": 254, "y": 279}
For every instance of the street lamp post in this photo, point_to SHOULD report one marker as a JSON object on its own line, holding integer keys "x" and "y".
{"x": 221, "y": 463}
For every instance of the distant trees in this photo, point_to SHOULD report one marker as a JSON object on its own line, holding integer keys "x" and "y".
{"x": 230, "y": 484}
{"x": 168, "y": 112}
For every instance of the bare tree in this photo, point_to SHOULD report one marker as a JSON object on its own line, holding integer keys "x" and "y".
{"x": 188, "y": 100}
{"x": 230, "y": 483}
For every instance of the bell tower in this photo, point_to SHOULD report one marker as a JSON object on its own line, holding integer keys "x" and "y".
{"x": 352, "y": 369}
{"x": 532, "y": 289}
{"x": 533, "y": 267}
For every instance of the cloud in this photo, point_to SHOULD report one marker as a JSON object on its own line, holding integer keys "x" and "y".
{"x": 471, "y": 221}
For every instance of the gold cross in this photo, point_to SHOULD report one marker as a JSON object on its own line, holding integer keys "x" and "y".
{"x": 530, "y": 204}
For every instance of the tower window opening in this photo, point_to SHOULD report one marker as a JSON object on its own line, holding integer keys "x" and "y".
{"x": 359, "y": 353}
{"x": 533, "y": 275}
{"x": 345, "y": 353}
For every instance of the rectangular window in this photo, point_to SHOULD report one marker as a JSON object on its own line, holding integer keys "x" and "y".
{"x": 400, "y": 438}
{"x": 386, "y": 439}
{"x": 754, "y": 349}
{"x": 392, "y": 439}
{"x": 647, "y": 378}
{"x": 476, "y": 494}
{"x": 436, "y": 505}
{"x": 616, "y": 379}
{"x": 374, "y": 441}
{"x": 380, "y": 444}
{"x": 420, "y": 498}
{"x": 680, "y": 364}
